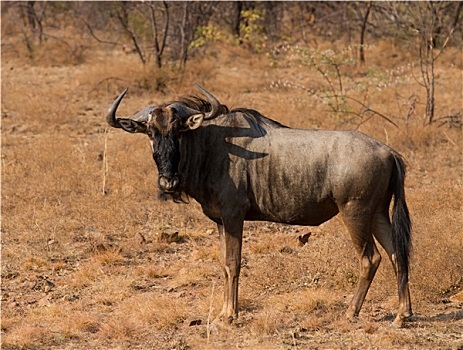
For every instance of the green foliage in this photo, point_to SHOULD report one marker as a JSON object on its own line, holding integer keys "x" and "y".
{"x": 251, "y": 29}
{"x": 209, "y": 33}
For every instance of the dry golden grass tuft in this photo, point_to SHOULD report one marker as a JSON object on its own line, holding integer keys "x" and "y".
{"x": 53, "y": 324}
{"x": 308, "y": 308}
{"x": 24, "y": 335}
{"x": 142, "y": 312}
{"x": 82, "y": 262}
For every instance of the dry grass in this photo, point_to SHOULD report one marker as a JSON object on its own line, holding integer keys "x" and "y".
{"x": 81, "y": 269}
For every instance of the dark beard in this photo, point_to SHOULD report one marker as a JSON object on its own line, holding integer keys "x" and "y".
{"x": 177, "y": 196}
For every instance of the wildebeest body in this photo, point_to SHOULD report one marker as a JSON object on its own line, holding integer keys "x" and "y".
{"x": 240, "y": 165}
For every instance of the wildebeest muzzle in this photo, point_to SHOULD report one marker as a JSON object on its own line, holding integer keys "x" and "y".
{"x": 168, "y": 184}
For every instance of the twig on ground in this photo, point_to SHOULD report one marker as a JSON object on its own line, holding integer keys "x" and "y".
{"x": 208, "y": 331}
{"x": 105, "y": 160}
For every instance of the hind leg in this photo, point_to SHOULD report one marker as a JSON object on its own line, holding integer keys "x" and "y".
{"x": 359, "y": 227}
{"x": 382, "y": 232}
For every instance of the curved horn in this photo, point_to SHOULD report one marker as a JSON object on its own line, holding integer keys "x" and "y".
{"x": 215, "y": 104}
{"x": 111, "y": 115}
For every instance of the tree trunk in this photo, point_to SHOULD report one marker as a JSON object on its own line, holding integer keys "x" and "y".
{"x": 159, "y": 48}
{"x": 184, "y": 42}
{"x": 362, "y": 33}
{"x": 238, "y": 7}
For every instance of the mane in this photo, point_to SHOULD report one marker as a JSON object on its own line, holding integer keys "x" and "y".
{"x": 258, "y": 117}
{"x": 203, "y": 105}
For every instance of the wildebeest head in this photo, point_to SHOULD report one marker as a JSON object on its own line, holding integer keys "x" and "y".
{"x": 164, "y": 124}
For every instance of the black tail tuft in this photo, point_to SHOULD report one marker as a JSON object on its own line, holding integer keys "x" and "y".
{"x": 401, "y": 224}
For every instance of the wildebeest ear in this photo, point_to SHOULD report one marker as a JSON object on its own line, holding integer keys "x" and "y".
{"x": 132, "y": 126}
{"x": 193, "y": 122}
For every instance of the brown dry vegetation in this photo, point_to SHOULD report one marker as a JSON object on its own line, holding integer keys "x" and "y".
{"x": 85, "y": 263}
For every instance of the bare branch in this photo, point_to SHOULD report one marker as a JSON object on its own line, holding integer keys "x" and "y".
{"x": 92, "y": 33}
{"x": 123, "y": 19}
{"x": 454, "y": 26}
{"x": 369, "y": 110}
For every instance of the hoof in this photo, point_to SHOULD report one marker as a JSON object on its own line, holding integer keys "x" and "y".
{"x": 396, "y": 324}
{"x": 400, "y": 319}
{"x": 407, "y": 315}
{"x": 352, "y": 318}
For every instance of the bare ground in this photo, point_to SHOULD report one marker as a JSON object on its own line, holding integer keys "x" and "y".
{"x": 121, "y": 270}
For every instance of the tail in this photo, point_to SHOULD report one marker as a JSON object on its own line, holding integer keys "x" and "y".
{"x": 401, "y": 224}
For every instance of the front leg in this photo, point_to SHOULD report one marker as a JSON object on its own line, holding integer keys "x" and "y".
{"x": 231, "y": 236}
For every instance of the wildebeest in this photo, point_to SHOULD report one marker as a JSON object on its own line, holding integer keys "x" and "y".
{"x": 240, "y": 165}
